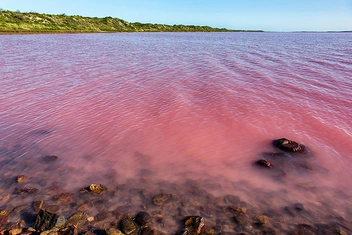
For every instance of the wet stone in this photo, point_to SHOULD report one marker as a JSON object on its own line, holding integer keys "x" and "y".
{"x": 210, "y": 231}
{"x": 159, "y": 218}
{"x": 52, "y": 208}
{"x": 237, "y": 210}
{"x": 143, "y": 218}
{"x": 37, "y": 205}
{"x": 113, "y": 231}
{"x": 15, "y": 231}
{"x": 83, "y": 207}
{"x": 21, "y": 179}
{"x": 261, "y": 220}
{"x": 3, "y": 213}
{"x": 127, "y": 225}
{"x": 77, "y": 220}
{"x": 299, "y": 206}
{"x": 63, "y": 197}
{"x": 289, "y": 145}
{"x": 194, "y": 225}
{"x": 95, "y": 188}
{"x": 239, "y": 219}
{"x": 23, "y": 191}
{"x": 160, "y": 199}
{"x": 45, "y": 220}
{"x": 264, "y": 163}
{"x": 71, "y": 230}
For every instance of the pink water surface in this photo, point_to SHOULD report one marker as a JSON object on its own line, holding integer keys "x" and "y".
{"x": 200, "y": 106}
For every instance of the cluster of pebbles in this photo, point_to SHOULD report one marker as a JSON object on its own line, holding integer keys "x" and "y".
{"x": 136, "y": 207}
{"x": 289, "y": 156}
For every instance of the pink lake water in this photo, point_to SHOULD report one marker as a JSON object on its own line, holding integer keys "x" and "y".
{"x": 178, "y": 106}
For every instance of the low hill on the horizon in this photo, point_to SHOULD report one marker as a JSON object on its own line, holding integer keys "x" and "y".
{"x": 32, "y": 22}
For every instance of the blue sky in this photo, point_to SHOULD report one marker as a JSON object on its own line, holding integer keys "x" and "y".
{"x": 269, "y": 15}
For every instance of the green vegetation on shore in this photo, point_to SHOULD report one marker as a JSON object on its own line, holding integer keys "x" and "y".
{"x": 32, "y": 22}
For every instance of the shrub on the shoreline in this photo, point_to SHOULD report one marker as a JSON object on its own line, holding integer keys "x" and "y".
{"x": 31, "y": 22}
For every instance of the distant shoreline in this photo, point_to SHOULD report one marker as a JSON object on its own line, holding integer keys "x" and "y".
{"x": 37, "y": 23}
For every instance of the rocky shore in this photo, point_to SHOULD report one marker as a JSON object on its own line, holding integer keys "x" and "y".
{"x": 142, "y": 206}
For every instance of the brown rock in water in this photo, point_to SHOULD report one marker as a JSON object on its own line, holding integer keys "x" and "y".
{"x": 22, "y": 191}
{"x": 143, "y": 218}
{"x": 37, "y": 205}
{"x": 299, "y": 206}
{"x": 3, "y": 213}
{"x": 15, "y": 231}
{"x": 127, "y": 225}
{"x": 63, "y": 197}
{"x": 264, "y": 163}
{"x": 95, "y": 188}
{"x": 45, "y": 220}
{"x": 239, "y": 219}
{"x": 77, "y": 220}
{"x": 83, "y": 207}
{"x": 289, "y": 145}
{"x": 71, "y": 230}
{"x": 113, "y": 231}
{"x": 194, "y": 225}
{"x": 261, "y": 220}
{"x": 52, "y": 208}
{"x": 21, "y": 179}
{"x": 160, "y": 199}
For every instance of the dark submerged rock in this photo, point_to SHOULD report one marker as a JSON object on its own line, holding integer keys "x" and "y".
{"x": 52, "y": 208}
{"x": 45, "y": 220}
{"x": 264, "y": 163}
{"x": 299, "y": 206}
{"x": 63, "y": 197}
{"x": 160, "y": 199}
{"x": 239, "y": 219}
{"x": 77, "y": 220}
{"x": 21, "y": 179}
{"x": 71, "y": 230}
{"x": 113, "y": 231}
{"x": 143, "y": 218}
{"x": 289, "y": 145}
{"x": 94, "y": 188}
{"x": 22, "y": 191}
{"x": 194, "y": 225}
{"x": 261, "y": 220}
{"x": 127, "y": 225}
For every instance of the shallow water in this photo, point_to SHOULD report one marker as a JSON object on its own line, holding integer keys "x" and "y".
{"x": 173, "y": 107}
